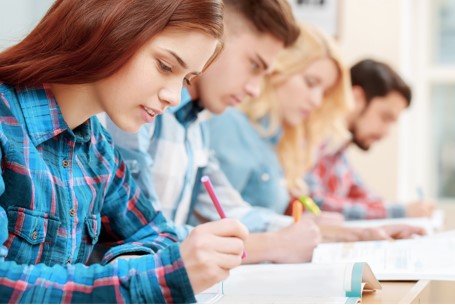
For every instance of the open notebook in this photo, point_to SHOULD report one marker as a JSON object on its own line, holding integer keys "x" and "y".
{"x": 294, "y": 283}
{"x": 430, "y": 257}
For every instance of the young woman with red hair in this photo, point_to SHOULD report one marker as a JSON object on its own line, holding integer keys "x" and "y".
{"x": 63, "y": 185}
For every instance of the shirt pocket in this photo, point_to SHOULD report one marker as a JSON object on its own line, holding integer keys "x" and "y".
{"x": 91, "y": 233}
{"x": 266, "y": 188}
{"x": 32, "y": 235}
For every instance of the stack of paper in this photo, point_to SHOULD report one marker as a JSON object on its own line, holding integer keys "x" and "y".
{"x": 430, "y": 257}
{"x": 431, "y": 225}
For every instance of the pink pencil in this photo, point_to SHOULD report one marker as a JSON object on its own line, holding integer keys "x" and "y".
{"x": 209, "y": 187}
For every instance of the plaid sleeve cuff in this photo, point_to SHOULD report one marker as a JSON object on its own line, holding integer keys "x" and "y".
{"x": 171, "y": 278}
{"x": 125, "y": 249}
{"x": 176, "y": 278}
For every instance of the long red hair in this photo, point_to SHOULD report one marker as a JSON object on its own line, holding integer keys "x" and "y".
{"x": 84, "y": 41}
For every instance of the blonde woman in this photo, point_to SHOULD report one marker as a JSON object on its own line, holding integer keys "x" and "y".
{"x": 266, "y": 146}
{"x": 304, "y": 101}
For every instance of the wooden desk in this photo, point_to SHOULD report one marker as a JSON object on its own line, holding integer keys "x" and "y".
{"x": 413, "y": 292}
{"x": 423, "y": 291}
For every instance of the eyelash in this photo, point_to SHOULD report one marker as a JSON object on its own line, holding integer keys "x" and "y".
{"x": 163, "y": 67}
{"x": 310, "y": 82}
{"x": 255, "y": 66}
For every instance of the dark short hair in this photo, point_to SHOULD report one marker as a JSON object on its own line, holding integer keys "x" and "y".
{"x": 268, "y": 16}
{"x": 378, "y": 79}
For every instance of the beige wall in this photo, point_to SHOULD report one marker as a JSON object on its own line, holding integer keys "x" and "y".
{"x": 371, "y": 28}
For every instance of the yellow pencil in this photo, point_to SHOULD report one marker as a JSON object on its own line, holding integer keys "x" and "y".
{"x": 310, "y": 205}
{"x": 297, "y": 210}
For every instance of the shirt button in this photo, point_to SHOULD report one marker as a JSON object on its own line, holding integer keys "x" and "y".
{"x": 34, "y": 235}
{"x": 265, "y": 177}
{"x": 72, "y": 212}
{"x": 65, "y": 163}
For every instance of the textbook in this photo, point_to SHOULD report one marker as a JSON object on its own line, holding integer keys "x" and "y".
{"x": 430, "y": 257}
{"x": 294, "y": 283}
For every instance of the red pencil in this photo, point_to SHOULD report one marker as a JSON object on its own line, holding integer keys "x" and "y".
{"x": 209, "y": 187}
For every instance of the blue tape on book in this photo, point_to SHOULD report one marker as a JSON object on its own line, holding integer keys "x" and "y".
{"x": 352, "y": 301}
{"x": 356, "y": 285}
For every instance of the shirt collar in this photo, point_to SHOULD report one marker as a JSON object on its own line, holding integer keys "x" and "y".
{"x": 43, "y": 117}
{"x": 188, "y": 111}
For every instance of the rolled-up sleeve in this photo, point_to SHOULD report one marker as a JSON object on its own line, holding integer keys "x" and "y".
{"x": 131, "y": 224}
{"x": 158, "y": 278}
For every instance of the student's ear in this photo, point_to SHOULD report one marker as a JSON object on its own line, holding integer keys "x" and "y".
{"x": 360, "y": 98}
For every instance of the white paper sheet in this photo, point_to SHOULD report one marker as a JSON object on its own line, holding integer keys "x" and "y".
{"x": 294, "y": 283}
{"x": 431, "y": 257}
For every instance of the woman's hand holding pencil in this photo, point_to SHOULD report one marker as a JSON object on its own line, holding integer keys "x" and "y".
{"x": 219, "y": 208}
{"x": 211, "y": 250}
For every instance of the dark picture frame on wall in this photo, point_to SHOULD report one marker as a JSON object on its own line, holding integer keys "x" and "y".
{"x": 324, "y": 14}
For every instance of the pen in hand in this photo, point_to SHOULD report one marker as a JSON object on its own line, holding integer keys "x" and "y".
{"x": 310, "y": 205}
{"x": 297, "y": 210}
{"x": 209, "y": 187}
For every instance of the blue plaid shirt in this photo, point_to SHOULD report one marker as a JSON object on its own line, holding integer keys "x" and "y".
{"x": 61, "y": 192}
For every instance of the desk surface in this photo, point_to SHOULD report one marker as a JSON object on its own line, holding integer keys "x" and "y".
{"x": 411, "y": 292}
{"x": 399, "y": 293}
